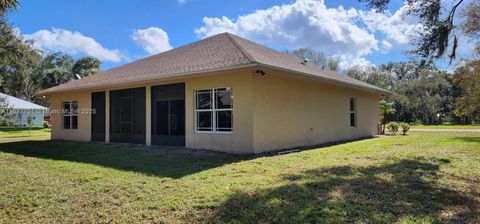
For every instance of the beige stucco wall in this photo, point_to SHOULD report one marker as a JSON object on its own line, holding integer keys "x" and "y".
{"x": 291, "y": 112}
{"x": 271, "y": 112}
{"x": 241, "y": 139}
{"x": 83, "y": 133}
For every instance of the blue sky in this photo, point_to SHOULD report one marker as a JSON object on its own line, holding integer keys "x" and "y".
{"x": 121, "y": 31}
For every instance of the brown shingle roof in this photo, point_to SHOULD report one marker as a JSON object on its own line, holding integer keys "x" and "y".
{"x": 222, "y": 51}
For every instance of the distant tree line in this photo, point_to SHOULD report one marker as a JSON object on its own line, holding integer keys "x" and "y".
{"x": 421, "y": 93}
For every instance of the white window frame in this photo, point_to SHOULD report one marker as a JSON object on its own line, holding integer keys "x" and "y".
{"x": 71, "y": 114}
{"x": 213, "y": 111}
{"x": 354, "y": 112}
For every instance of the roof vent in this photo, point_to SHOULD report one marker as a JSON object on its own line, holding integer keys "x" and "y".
{"x": 304, "y": 62}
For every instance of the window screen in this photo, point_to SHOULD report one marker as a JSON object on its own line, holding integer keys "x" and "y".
{"x": 98, "y": 116}
{"x": 127, "y": 115}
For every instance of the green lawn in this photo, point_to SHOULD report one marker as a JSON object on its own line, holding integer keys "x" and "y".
{"x": 421, "y": 178}
{"x": 10, "y": 134}
{"x": 446, "y": 126}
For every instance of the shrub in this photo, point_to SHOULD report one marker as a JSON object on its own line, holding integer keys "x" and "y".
{"x": 392, "y": 127}
{"x": 29, "y": 122}
{"x": 405, "y": 127}
{"x": 8, "y": 116}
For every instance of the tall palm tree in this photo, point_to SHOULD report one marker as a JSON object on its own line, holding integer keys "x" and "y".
{"x": 386, "y": 108}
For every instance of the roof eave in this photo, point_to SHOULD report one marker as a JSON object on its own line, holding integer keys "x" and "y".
{"x": 49, "y": 91}
{"x": 378, "y": 90}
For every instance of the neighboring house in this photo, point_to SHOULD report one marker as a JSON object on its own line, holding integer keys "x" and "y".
{"x": 24, "y": 109}
{"x": 222, "y": 93}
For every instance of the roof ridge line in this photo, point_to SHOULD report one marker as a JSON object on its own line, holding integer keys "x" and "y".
{"x": 244, "y": 52}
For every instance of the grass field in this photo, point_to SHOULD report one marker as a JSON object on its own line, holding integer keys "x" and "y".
{"x": 421, "y": 178}
{"x": 446, "y": 127}
{"x": 18, "y": 134}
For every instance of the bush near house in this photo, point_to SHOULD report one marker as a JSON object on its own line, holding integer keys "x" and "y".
{"x": 392, "y": 127}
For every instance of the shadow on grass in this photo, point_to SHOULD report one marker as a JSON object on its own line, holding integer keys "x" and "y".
{"x": 163, "y": 163}
{"x": 468, "y": 139}
{"x": 402, "y": 191}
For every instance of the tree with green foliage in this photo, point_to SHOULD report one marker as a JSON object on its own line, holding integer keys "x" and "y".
{"x": 471, "y": 23}
{"x": 371, "y": 75}
{"x": 392, "y": 127}
{"x": 19, "y": 61}
{"x": 467, "y": 100}
{"x": 19, "y": 64}
{"x": 86, "y": 66}
{"x": 24, "y": 70}
{"x": 386, "y": 109}
{"x": 380, "y": 78}
{"x": 405, "y": 127}
{"x": 357, "y": 72}
{"x": 59, "y": 68}
{"x": 7, "y": 114}
{"x": 7, "y": 40}
{"x": 29, "y": 123}
{"x": 56, "y": 69}
{"x": 6, "y": 5}
{"x": 420, "y": 91}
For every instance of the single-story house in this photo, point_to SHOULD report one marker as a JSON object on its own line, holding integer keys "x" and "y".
{"x": 23, "y": 109}
{"x": 222, "y": 93}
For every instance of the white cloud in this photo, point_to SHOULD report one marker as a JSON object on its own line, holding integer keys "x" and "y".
{"x": 386, "y": 45}
{"x": 398, "y": 27}
{"x": 346, "y": 33}
{"x": 181, "y": 2}
{"x": 347, "y": 61}
{"x": 153, "y": 40}
{"x": 73, "y": 42}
